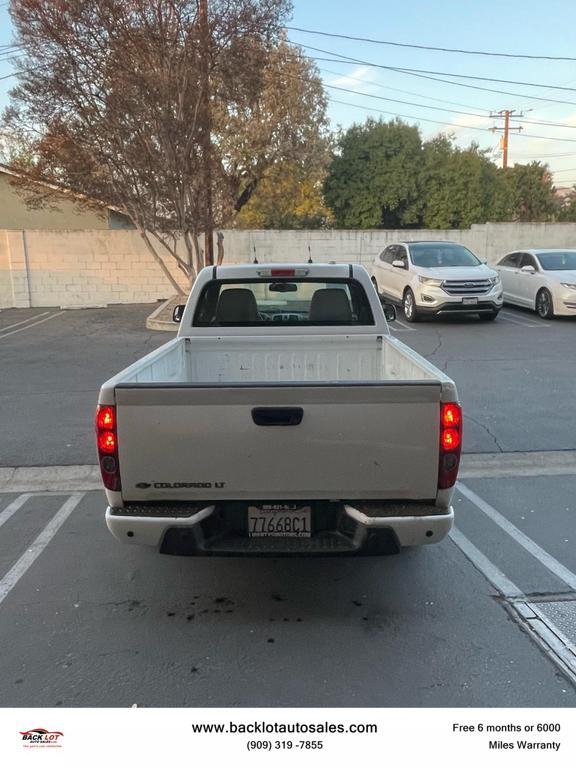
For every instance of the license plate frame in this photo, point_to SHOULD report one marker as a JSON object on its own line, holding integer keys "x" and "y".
{"x": 286, "y": 521}
{"x": 470, "y": 302}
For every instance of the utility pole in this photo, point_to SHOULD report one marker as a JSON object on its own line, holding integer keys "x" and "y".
{"x": 505, "y": 129}
{"x": 207, "y": 137}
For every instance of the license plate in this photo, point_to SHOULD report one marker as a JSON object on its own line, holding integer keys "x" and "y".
{"x": 280, "y": 520}
{"x": 469, "y": 301}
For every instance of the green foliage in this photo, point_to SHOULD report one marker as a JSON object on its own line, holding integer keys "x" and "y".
{"x": 458, "y": 185}
{"x": 532, "y": 192}
{"x": 383, "y": 175}
{"x": 568, "y": 211}
{"x": 288, "y": 197}
{"x": 374, "y": 177}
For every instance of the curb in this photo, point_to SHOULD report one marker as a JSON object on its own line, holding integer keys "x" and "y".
{"x": 50, "y": 479}
{"x": 154, "y": 323}
{"x": 161, "y": 318}
{"x": 86, "y": 477}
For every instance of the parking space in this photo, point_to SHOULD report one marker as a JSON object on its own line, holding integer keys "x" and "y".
{"x": 508, "y": 316}
{"x": 483, "y": 619}
{"x": 52, "y": 363}
{"x": 511, "y": 374}
{"x": 89, "y": 622}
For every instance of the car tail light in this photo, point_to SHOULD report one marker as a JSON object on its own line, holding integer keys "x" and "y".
{"x": 106, "y": 417}
{"x": 450, "y": 444}
{"x": 107, "y": 443}
{"x": 451, "y": 415}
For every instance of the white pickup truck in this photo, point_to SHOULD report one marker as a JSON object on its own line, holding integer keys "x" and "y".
{"x": 283, "y": 419}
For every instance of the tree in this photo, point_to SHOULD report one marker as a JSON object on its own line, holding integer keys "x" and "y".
{"x": 567, "y": 211}
{"x": 288, "y": 197}
{"x": 374, "y": 177}
{"x": 503, "y": 201}
{"x": 524, "y": 193}
{"x": 458, "y": 185}
{"x": 110, "y": 104}
{"x": 533, "y": 192}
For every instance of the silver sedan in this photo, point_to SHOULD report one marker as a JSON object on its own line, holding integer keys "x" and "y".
{"x": 542, "y": 279}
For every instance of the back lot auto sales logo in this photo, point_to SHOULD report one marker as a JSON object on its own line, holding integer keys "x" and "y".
{"x": 40, "y": 737}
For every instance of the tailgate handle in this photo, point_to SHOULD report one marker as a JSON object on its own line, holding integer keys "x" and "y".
{"x": 277, "y": 417}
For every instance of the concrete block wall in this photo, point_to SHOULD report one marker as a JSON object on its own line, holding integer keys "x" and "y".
{"x": 79, "y": 269}
{"x": 358, "y": 246}
{"x": 98, "y": 267}
{"x": 14, "y": 271}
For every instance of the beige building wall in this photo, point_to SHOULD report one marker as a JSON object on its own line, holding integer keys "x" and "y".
{"x": 41, "y": 268}
{"x": 14, "y": 213}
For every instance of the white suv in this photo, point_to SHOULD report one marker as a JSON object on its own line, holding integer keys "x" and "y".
{"x": 437, "y": 278}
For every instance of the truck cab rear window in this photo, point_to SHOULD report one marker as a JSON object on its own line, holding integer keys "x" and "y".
{"x": 293, "y": 301}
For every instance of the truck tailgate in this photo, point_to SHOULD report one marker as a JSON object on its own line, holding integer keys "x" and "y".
{"x": 377, "y": 441}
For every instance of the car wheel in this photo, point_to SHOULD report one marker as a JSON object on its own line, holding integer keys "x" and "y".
{"x": 544, "y": 305}
{"x": 410, "y": 308}
{"x": 489, "y": 316}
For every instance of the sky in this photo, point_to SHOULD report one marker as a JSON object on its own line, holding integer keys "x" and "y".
{"x": 505, "y": 26}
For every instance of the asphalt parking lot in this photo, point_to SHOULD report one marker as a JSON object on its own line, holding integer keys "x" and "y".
{"x": 486, "y": 618}
{"x": 512, "y": 375}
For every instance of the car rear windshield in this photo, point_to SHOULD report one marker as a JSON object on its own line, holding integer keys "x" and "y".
{"x": 555, "y": 261}
{"x": 282, "y": 302}
{"x": 434, "y": 255}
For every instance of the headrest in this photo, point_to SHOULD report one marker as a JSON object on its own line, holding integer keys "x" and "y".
{"x": 330, "y": 305}
{"x": 236, "y": 305}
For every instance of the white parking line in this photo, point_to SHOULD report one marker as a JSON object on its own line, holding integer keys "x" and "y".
{"x": 13, "y": 508}
{"x": 540, "y": 628}
{"x": 403, "y": 325}
{"x": 18, "y": 570}
{"x": 23, "y": 322}
{"x": 5, "y": 335}
{"x": 494, "y": 575}
{"x": 512, "y": 318}
{"x": 549, "y": 562}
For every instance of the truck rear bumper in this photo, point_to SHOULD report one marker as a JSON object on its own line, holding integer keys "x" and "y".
{"x": 199, "y": 531}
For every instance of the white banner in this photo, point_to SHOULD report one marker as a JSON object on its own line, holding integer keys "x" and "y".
{"x": 321, "y": 737}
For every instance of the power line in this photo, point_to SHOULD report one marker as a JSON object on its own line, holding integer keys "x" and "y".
{"x": 22, "y": 72}
{"x": 431, "y": 47}
{"x": 500, "y": 92}
{"x": 428, "y": 106}
{"x": 562, "y": 154}
{"x": 389, "y": 88}
{"x": 440, "y": 122}
{"x": 445, "y": 74}
{"x": 541, "y": 98}
{"x": 431, "y": 98}
{"x": 406, "y": 103}
{"x": 440, "y": 109}
{"x": 411, "y": 117}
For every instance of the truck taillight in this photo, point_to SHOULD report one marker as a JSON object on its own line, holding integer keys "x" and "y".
{"x": 106, "y": 417}
{"x": 107, "y": 444}
{"x": 450, "y": 444}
